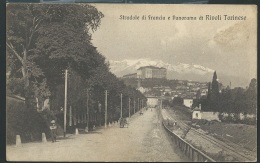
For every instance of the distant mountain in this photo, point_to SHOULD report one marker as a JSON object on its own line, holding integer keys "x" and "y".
{"x": 124, "y": 67}
{"x": 179, "y": 71}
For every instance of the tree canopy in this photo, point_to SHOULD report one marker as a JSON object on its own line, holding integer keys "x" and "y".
{"x": 44, "y": 40}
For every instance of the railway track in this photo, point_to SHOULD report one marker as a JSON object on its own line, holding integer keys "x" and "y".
{"x": 234, "y": 152}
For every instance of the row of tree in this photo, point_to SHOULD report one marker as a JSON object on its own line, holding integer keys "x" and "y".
{"x": 43, "y": 41}
{"x": 231, "y": 101}
{"x": 237, "y": 100}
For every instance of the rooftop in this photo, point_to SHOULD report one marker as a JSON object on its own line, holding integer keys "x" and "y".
{"x": 130, "y": 74}
{"x": 152, "y": 67}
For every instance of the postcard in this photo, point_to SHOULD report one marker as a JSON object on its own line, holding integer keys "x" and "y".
{"x": 131, "y": 82}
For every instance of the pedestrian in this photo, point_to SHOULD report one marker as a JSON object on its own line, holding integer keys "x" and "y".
{"x": 53, "y": 129}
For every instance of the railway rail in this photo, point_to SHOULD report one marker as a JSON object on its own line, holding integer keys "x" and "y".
{"x": 234, "y": 152}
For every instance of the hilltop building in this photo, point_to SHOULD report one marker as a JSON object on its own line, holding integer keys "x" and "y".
{"x": 151, "y": 72}
{"x": 128, "y": 76}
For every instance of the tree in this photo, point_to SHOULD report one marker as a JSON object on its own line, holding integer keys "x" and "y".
{"x": 54, "y": 35}
{"x": 214, "y": 87}
{"x": 209, "y": 91}
{"x": 251, "y": 97}
{"x": 166, "y": 103}
{"x": 177, "y": 101}
{"x": 251, "y": 92}
{"x": 225, "y": 100}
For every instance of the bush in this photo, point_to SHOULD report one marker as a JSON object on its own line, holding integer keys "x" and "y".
{"x": 234, "y": 118}
{"x": 27, "y": 123}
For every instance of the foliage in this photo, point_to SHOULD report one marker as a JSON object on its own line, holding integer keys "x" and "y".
{"x": 166, "y": 103}
{"x": 214, "y": 88}
{"x": 51, "y": 34}
{"x": 43, "y": 41}
{"x": 233, "y": 102}
{"x": 177, "y": 101}
{"x": 29, "y": 124}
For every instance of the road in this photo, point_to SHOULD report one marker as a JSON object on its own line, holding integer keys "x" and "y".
{"x": 144, "y": 140}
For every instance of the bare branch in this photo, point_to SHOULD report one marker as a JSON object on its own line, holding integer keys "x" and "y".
{"x": 35, "y": 27}
{"x": 33, "y": 30}
{"x": 34, "y": 20}
{"x": 15, "y": 52}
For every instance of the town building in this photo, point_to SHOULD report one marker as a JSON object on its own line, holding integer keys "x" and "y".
{"x": 197, "y": 114}
{"x": 151, "y": 72}
{"x": 188, "y": 102}
{"x": 143, "y": 89}
{"x": 152, "y": 101}
{"x": 204, "y": 92}
{"x": 128, "y": 76}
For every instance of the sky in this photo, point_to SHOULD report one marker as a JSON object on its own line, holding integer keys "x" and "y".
{"x": 227, "y": 46}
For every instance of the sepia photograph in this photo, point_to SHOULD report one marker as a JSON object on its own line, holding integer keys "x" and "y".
{"x": 131, "y": 82}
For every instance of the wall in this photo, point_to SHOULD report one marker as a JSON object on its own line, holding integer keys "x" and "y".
{"x": 188, "y": 102}
{"x": 152, "y": 102}
{"x": 194, "y": 116}
{"x": 215, "y": 115}
{"x": 148, "y": 73}
{"x": 241, "y": 116}
{"x": 130, "y": 76}
{"x": 190, "y": 151}
{"x": 139, "y": 73}
{"x": 205, "y": 115}
{"x": 210, "y": 116}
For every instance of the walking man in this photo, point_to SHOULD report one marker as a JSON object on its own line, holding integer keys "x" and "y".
{"x": 53, "y": 129}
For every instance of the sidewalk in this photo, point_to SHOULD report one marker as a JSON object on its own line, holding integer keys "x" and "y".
{"x": 141, "y": 141}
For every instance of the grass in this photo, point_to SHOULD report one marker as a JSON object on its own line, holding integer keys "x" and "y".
{"x": 244, "y": 135}
{"x": 241, "y": 134}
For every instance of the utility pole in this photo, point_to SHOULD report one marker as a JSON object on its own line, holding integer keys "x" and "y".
{"x": 87, "y": 110}
{"x": 70, "y": 123}
{"x": 129, "y": 108}
{"x": 105, "y": 108}
{"x": 65, "y": 101}
{"x": 161, "y": 102}
{"x": 121, "y": 106}
{"x": 134, "y": 106}
{"x": 138, "y": 104}
{"x": 99, "y": 113}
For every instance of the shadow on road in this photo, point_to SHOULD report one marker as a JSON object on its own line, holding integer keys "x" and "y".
{"x": 91, "y": 132}
{"x": 64, "y": 138}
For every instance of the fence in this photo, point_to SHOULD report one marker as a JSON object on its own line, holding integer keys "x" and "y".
{"x": 190, "y": 151}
